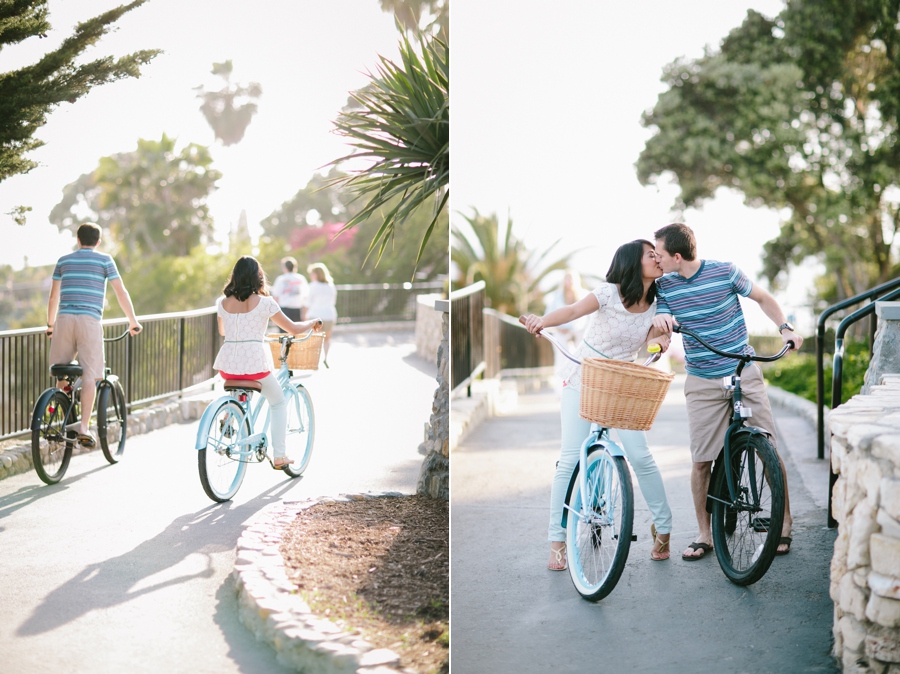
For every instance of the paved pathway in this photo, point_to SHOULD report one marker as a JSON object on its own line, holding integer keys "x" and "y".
{"x": 127, "y": 568}
{"x": 510, "y": 614}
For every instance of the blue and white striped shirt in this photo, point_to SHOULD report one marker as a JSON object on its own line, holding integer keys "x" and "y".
{"x": 707, "y": 303}
{"x": 83, "y": 275}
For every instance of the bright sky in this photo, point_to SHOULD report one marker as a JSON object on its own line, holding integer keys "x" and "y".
{"x": 306, "y": 55}
{"x": 547, "y": 101}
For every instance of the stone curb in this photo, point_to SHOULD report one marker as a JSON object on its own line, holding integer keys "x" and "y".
{"x": 797, "y": 405}
{"x": 270, "y": 607}
{"x": 17, "y": 459}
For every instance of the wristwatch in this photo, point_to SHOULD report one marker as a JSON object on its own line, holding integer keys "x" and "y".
{"x": 785, "y": 326}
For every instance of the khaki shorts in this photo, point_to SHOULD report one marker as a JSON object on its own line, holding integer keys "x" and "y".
{"x": 709, "y": 409}
{"x": 81, "y": 336}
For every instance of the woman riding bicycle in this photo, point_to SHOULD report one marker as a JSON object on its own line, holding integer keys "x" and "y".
{"x": 244, "y": 314}
{"x": 621, "y": 314}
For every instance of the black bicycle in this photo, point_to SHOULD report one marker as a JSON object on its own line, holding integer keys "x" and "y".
{"x": 57, "y": 414}
{"x": 746, "y": 492}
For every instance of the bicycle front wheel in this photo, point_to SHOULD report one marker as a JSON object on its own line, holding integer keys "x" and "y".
{"x": 51, "y": 444}
{"x": 223, "y": 461}
{"x": 746, "y": 533}
{"x": 301, "y": 430}
{"x": 598, "y": 524}
{"x": 112, "y": 420}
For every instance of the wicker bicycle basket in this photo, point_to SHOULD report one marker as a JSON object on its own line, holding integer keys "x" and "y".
{"x": 303, "y": 355}
{"x": 616, "y": 394}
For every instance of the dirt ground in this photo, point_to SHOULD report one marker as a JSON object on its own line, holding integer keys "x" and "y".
{"x": 381, "y": 566}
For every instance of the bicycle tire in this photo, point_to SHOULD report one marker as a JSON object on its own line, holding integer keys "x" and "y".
{"x": 746, "y": 538}
{"x": 112, "y": 420}
{"x": 301, "y": 430}
{"x": 51, "y": 444}
{"x": 221, "y": 474}
{"x": 598, "y": 549}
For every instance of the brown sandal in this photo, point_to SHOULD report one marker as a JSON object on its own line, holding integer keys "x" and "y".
{"x": 663, "y": 553}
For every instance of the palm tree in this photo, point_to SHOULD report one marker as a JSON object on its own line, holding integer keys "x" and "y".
{"x": 511, "y": 272}
{"x": 401, "y": 123}
{"x": 229, "y": 110}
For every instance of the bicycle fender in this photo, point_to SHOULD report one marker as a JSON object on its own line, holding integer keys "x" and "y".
{"x": 754, "y": 430}
{"x": 41, "y": 404}
{"x": 614, "y": 451}
{"x": 206, "y": 420}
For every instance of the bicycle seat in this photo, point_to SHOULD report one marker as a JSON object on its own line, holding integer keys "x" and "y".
{"x": 246, "y": 384}
{"x": 61, "y": 370}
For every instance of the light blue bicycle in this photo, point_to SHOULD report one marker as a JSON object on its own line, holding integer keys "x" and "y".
{"x": 598, "y": 512}
{"x": 227, "y": 439}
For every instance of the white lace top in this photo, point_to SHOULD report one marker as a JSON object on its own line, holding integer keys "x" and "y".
{"x": 613, "y": 332}
{"x": 244, "y": 351}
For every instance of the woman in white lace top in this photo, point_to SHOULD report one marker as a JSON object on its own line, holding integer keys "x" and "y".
{"x": 621, "y": 314}
{"x": 244, "y": 314}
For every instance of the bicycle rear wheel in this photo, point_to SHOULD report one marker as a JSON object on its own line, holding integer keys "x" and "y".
{"x": 222, "y": 462}
{"x": 598, "y": 525}
{"x": 112, "y": 420}
{"x": 746, "y": 534}
{"x": 301, "y": 430}
{"x": 51, "y": 444}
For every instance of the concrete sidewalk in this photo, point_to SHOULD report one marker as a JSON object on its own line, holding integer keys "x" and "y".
{"x": 510, "y": 614}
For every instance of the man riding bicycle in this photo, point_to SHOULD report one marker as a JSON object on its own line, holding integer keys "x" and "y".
{"x": 74, "y": 313}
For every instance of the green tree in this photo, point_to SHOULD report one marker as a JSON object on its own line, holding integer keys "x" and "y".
{"x": 512, "y": 273}
{"x": 151, "y": 201}
{"x": 323, "y": 198}
{"x": 798, "y": 113}
{"x": 402, "y": 127}
{"x": 27, "y": 95}
{"x": 230, "y": 109}
{"x": 427, "y": 16}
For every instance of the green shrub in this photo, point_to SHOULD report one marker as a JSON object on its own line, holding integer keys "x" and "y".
{"x": 797, "y": 372}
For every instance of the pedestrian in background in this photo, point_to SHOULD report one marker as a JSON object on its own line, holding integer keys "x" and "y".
{"x": 569, "y": 292}
{"x": 322, "y": 300}
{"x": 290, "y": 290}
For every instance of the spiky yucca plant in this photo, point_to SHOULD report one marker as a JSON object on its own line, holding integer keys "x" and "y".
{"x": 402, "y": 125}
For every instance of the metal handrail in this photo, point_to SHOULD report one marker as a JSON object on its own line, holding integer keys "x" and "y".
{"x": 837, "y": 374}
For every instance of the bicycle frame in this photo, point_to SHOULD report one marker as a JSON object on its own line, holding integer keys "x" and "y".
{"x": 598, "y": 437}
{"x": 739, "y": 414}
{"x": 252, "y": 410}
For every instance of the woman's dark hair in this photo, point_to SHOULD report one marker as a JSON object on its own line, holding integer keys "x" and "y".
{"x": 247, "y": 278}
{"x": 625, "y": 271}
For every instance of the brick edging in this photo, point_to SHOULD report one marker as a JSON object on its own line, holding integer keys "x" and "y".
{"x": 270, "y": 607}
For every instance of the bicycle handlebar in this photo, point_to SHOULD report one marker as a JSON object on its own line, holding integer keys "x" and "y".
{"x": 736, "y": 356}
{"x": 116, "y": 339}
{"x": 564, "y": 351}
{"x": 298, "y": 338}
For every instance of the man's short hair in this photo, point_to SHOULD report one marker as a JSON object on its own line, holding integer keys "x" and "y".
{"x": 678, "y": 238}
{"x": 289, "y": 263}
{"x": 88, "y": 234}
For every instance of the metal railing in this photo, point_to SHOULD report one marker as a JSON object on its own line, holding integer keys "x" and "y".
{"x": 510, "y": 348}
{"x": 374, "y": 302}
{"x": 174, "y": 352}
{"x": 466, "y": 336}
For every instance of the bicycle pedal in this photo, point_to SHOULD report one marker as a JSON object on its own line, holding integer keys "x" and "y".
{"x": 633, "y": 537}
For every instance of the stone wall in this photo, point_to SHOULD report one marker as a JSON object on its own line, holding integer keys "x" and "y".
{"x": 865, "y": 568}
{"x": 428, "y": 327}
{"x": 434, "y": 478}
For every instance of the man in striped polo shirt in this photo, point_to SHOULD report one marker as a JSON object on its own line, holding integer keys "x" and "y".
{"x": 74, "y": 313}
{"x": 702, "y": 296}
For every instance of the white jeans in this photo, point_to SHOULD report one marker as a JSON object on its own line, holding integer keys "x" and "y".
{"x": 634, "y": 443}
{"x": 271, "y": 389}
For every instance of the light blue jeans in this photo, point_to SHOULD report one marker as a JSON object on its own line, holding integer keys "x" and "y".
{"x": 574, "y": 431}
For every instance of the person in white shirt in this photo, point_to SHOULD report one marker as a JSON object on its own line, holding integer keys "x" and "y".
{"x": 290, "y": 290}
{"x": 322, "y": 299}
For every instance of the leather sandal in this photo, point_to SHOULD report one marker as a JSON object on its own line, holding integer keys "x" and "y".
{"x": 281, "y": 462}
{"x": 560, "y": 563}
{"x": 663, "y": 553}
